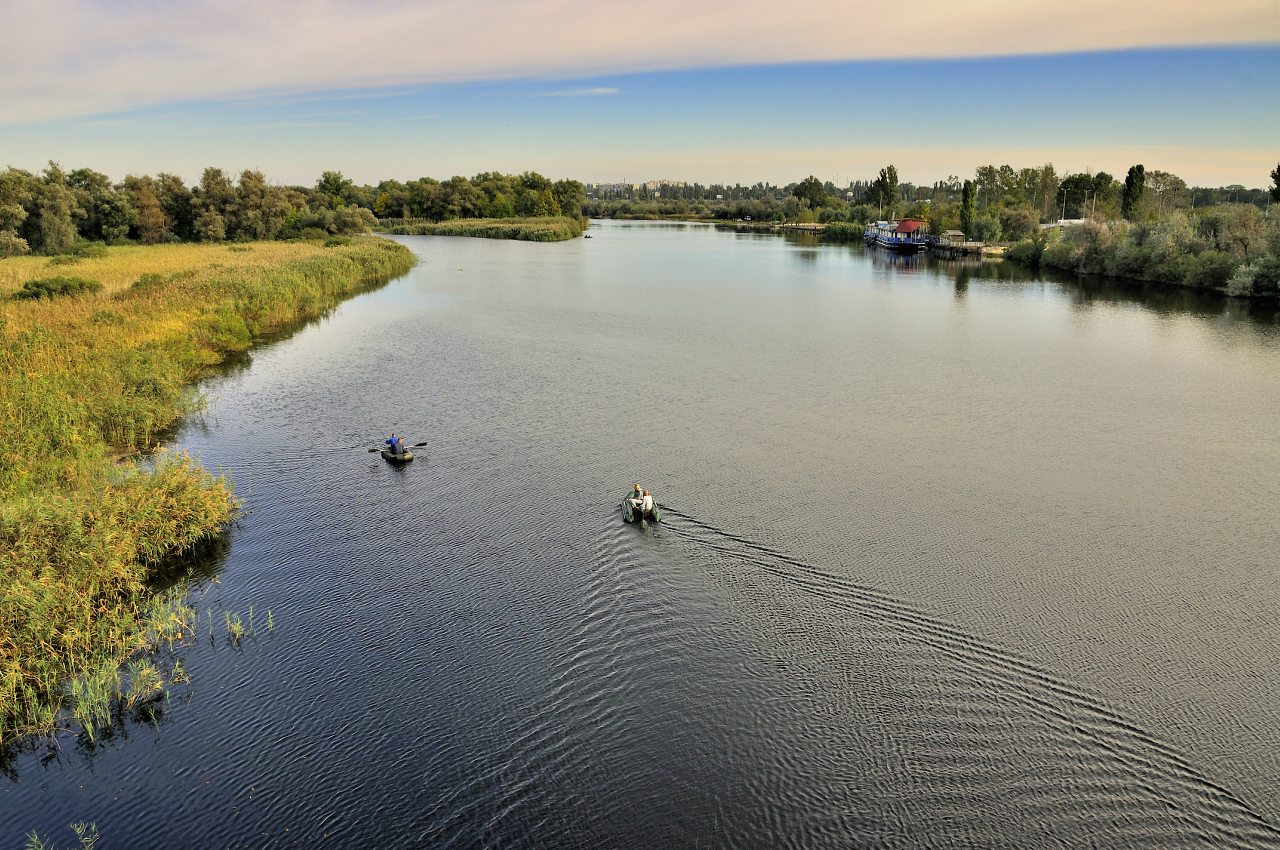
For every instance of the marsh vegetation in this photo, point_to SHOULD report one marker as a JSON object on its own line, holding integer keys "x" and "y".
{"x": 88, "y": 381}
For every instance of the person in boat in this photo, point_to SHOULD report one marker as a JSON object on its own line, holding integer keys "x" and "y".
{"x": 646, "y": 504}
{"x": 395, "y": 445}
{"x": 636, "y": 496}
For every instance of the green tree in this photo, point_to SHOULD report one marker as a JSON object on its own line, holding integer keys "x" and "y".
{"x": 152, "y": 226}
{"x": 1131, "y": 198}
{"x": 1166, "y": 192}
{"x": 570, "y": 195}
{"x": 15, "y": 194}
{"x": 178, "y": 203}
{"x": 334, "y": 190}
{"x": 210, "y": 227}
{"x": 1275, "y": 184}
{"x": 213, "y": 203}
{"x": 884, "y": 189}
{"x": 967, "y": 209}
{"x": 50, "y": 224}
{"x": 810, "y": 191}
{"x": 1018, "y": 222}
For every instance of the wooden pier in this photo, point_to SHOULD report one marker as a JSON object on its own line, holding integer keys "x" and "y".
{"x": 952, "y": 243}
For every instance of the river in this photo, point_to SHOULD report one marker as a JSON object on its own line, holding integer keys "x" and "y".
{"x": 955, "y": 556}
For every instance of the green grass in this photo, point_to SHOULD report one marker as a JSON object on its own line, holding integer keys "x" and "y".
{"x": 88, "y": 382}
{"x": 553, "y": 229}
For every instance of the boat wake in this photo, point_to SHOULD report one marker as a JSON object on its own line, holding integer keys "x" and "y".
{"x": 989, "y": 746}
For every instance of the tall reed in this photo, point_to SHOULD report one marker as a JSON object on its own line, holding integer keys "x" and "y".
{"x": 86, "y": 382}
{"x": 549, "y": 229}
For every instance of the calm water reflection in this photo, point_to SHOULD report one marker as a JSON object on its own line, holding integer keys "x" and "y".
{"x": 958, "y": 556}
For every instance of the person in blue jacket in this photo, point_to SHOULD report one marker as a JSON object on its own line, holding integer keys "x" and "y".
{"x": 395, "y": 445}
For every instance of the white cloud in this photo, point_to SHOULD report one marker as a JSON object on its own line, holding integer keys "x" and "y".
{"x": 66, "y": 58}
{"x": 594, "y": 91}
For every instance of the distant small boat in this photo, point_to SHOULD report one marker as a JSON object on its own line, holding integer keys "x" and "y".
{"x": 403, "y": 457}
{"x": 586, "y": 236}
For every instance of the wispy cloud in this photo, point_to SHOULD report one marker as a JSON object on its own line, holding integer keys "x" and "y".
{"x": 68, "y": 58}
{"x": 594, "y": 91}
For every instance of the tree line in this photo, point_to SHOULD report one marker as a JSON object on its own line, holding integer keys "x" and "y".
{"x": 53, "y": 211}
{"x": 1006, "y": 203}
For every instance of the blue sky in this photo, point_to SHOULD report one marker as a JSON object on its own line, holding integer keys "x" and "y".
{"x": 1210, "y": 112}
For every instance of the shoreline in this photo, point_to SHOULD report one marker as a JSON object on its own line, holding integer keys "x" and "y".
{"x": 998, "y": 251}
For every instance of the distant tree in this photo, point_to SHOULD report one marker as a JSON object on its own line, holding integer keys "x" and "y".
{"x": 152, "y": 227}
{"x": 810, "y": 190}
{"x": 214, "y": 203}
{"x": 333, "y": 189}
{"x": 570, "y": 196}
{"x": 884, "y": 189}
{"x": 15, "y": 194}
{"x": 1085, "y": 194}
{"x": 1018, "y": 223}
{"x": 1166, "y": 192}
{"x": 1235, "y": 229}
{"x": 178, "y": 203}
{"x": 1131, "y": 198}
{"x": 210, "y": 227}
{"x": 1106, "y": 196}
{"x": 107, "y": 211}
{"x": 50, "y": 224}
{"x": 967, "y": 209}
{"x": 534, "y": 181}
{"x": 1275, "y": 184}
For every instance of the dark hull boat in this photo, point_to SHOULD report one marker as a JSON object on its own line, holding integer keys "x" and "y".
{"x": 630, "y": 513}
{"x": 403, "y": 457}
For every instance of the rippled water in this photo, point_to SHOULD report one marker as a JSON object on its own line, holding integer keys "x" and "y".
{"x": 954, "y": 558}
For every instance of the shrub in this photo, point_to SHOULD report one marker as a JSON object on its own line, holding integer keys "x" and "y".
{"x": 1211, "y": 270}
{"x": 1027, "y": 251}
{"x": 51, "y": 287}
{"x": 842, "y": 231}
{"x": 1261, "y": 278}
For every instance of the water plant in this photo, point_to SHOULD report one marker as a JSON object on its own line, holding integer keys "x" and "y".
{"x": 545, "y": 229}
{"x": 86, "y": 837}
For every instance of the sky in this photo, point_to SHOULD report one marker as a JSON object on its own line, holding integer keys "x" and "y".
{"x": 609, "y": 90}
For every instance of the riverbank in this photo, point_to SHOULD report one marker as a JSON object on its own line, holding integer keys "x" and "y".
{"x": 1214, "y": 254}
{"x": 544, "y": 229}
{"x": 87, "y": 381}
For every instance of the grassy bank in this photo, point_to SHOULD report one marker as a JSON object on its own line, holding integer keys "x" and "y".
{"x": 94, "y": 375}
{"x": 553, "y": 229}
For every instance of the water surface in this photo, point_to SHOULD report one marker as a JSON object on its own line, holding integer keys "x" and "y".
{"x": 956, "y": 557}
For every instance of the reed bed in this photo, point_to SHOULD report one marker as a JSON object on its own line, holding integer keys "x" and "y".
{"x": 86, "y": 382}
{"x": 549, "y": 229}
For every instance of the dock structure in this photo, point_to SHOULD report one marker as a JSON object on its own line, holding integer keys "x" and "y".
{"x": 952, "y": 243}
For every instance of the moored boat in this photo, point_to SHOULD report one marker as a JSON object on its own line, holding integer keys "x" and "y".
{"x": 906, "y": 236}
